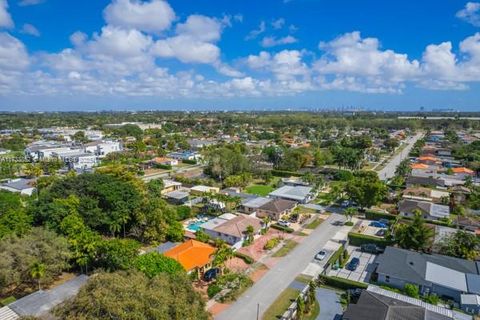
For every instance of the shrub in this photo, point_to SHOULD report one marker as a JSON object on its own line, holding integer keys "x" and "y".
{"x": 189, "y": 161}
{"x": 244, "y": 257}
{"x": 375, "y": 215}
{"x": 213, "y": 289}
{"x": 336, "y": 256}
{"x": 163, "y": 166}
{"x": 432, "y": 299}
{"x": 342, "y": 283}
{"x": 7, "y": 300}
{"x": 282, "y": 228}
{"x": 348, "y": 223}
{"x": 412, "y": 290}
{"x": 283, "y": 173}
{"x": 357, "y": 239}
{"x": 272, "y": 243}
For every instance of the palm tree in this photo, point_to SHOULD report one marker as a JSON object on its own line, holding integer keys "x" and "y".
{"x": 37, "y": 271}
{"x": 349, "y": 213}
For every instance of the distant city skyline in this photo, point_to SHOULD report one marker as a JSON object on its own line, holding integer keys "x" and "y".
{"x": 239, "y": 55}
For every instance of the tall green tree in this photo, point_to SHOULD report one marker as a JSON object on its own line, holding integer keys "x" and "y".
{"x": 366, "y": 189}
{"x": 414, "y": 235}
{"x": 461, "y": 244}
{"x": 37, "y": 272}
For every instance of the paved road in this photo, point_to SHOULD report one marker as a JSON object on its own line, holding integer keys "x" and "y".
{"x": 265, "y": 291}
{"x": 389, "y": 170}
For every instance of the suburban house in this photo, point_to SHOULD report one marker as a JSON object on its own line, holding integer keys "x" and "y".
{"x": 185, "y": 155}
{"x": 444, "y": 276}
{"x": 276, "y": 208}
{"x": 459, "y": 194}
{"x": 103, "y": 147}
{"x": 299, "y": 194}
{"x": 177, "y": 197}
{"x": 192, "y": 255}
{"x": 45, "y": 150}
{"x": 170, "y": 185}
{"x": 251, "y": 205}
{"x": 201, "y": 190}
{"x": 424, "y": 181}
{"x": 426, "y": 194}
{"x": 20, "y": 185}
{"x": 232, "y": 228}
{"x": 428, "y": 210}
{"x": 164, "y": 161}
{"x": 380, "y": 304}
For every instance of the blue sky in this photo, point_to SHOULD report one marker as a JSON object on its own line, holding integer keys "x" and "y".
{"x": 185, "y": 54}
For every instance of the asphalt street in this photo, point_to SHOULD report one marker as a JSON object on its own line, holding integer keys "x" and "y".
{"x": 264, "y": 292}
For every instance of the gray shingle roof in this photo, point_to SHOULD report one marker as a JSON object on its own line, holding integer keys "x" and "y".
{"x": 292, "y": 192}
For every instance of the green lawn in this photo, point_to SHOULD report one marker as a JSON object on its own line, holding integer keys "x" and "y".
{"x": 281, "y": 304}
{"x": 259, "y": 189}
{"x": 287, "y": 247}
{"x": 314, "y": 224}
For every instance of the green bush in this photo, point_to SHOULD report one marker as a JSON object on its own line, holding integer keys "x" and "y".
{"x": 282, "y": 228}
{"x": 213, "y": 289}
{"x": 7, "y": 301}
{"x": 163, "y": 166}
{"x": 342, "y": 283}
{"x": 357, "y": 239}
{"x": 272, "y": 243}
{"x": 375, "y": 215}
{"x": 349, "y": 223}
{"x": 412, "y": 290}
{"x": 244, "y": 257}
{"x": 189, "y": 161}
{"x": 432, "y": 299}
{"x": 283, "y": 173}
{"x": 336, "y": 256}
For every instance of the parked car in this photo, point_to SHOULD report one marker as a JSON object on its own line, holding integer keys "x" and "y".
{"x": 371, "y": 248}
{"x": 283, "y": 223}
{"x": 381, "y": 232}
{"x": 353, "y": 264}
{"x": 211, "y": 274}
{"x": 384, "y": 221}
{"x": 378, "y": 224}
{"x": 320, "y": 256}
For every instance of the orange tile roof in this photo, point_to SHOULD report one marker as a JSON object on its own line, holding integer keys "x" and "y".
{"x": 462, "y": 170}
{"x": 419, "y": 166}
{"x": 427, "y": 158}
{"x": 191, "y": 254}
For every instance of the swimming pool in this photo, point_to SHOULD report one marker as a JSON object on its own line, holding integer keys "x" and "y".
{"x": 196, "y": 223}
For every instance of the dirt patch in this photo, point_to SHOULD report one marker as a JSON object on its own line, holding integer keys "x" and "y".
{"x": 217, "y": 307}
{"x": 236, "y": 265}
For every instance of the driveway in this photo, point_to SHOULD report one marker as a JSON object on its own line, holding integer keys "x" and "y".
{"x": 264, "y": 292}
{"x": 330, "y": 307}
{"x": 389, "y": 170}
{"x": 364, "y": 269}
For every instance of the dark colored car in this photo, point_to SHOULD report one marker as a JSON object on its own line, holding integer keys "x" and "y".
{"x": 371, "y": 248}
{"x": 381, "y": 232}
{"x": 211, "y": 274}
{"x": 353, "y": 264}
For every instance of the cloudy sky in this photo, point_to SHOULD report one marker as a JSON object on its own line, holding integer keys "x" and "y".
{"x": 186, "y": 54}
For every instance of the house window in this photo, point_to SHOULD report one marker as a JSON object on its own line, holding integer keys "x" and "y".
{"x": 387, "y": 278}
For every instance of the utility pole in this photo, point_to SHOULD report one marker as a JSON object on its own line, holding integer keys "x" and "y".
{"x": 258, "y": 310}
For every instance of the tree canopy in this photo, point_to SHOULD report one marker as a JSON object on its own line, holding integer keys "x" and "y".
{"x": 366, "y": 189}
{"x": 133, "y": 296}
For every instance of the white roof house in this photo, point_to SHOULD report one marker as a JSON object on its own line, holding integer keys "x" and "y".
{"x": 296, "y": 193}
{"x": 21, "y": 185}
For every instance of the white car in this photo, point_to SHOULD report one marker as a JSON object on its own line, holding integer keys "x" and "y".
{"x": 284, "y": 223}
{"x": 320, "y": 256}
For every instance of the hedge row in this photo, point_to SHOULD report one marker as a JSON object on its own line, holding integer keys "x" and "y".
{"x": 189, "y": 161}
{"x": 282, "y": 228}
{"x": 342, "y": 283}
{"x": 357, "y": 239}
{"x": 244, "y": 257}
{"x": 334, "y": 258}
{"x": 283, "y": 173}
{"x": 375, "y": 215}
{"x": 163, "y": 166}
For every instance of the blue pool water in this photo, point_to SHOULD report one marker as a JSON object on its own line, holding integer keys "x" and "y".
{"x": 195, "y": 226}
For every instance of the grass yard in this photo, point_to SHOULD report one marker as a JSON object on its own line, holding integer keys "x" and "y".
{"x": 313, "y": 313}
{"x": 259, "y": 189}
{"x": 287, "y": 247}
{"x": 281, "y": 305}
{"x": 314, "y": 224}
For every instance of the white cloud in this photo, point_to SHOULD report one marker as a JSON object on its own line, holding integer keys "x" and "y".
{"x": 284, "y": 65}
{"x": 30, "y": 30}
{"x": 200, "y": 28}
{"x": 12, "y": 50}
{"x": 5, "y": 18}
{"x": 152, "y": 16}
{"x": 273, "y": 41}
{"x": 256, "y": 32}
{"x": 470, "y": 13}
{"x": 187, "y": 49}
{"x": 278, "y": 24}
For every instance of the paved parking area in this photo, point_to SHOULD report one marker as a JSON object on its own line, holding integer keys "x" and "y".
{"x": 364, "y": 270}
{"x": 366, "y": 229}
